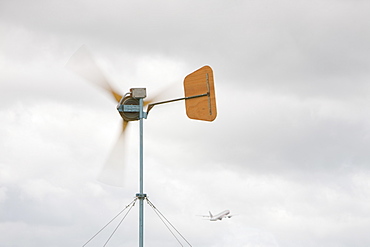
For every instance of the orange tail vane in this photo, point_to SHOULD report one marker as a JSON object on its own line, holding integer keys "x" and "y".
{"x": 200, "y": 82}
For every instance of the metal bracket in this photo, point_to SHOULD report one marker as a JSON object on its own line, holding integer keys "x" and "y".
{"x": 130, "y": 108}
{"x": 141, "y": 196}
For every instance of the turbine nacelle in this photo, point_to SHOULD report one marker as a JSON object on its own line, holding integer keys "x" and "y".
{"x": 129, "y": 105}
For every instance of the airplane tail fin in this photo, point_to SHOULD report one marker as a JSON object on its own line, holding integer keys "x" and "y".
{"x": 210, "y": 214}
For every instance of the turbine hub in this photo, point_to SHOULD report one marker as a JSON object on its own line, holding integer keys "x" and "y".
{"x": 129, "y": 106}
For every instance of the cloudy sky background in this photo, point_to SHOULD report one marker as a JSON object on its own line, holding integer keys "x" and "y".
{"x": 287, "y": 154}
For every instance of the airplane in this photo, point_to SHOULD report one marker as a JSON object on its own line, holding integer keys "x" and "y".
{"x": 220, "y": 216}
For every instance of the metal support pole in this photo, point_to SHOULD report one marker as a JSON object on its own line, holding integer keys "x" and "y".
{"x": 141, "y": 195}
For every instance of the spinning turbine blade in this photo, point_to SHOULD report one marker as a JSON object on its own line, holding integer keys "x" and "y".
{"x": 83, "y": 64}
{"x": 166, "y": 92}
{"x": 113, "y": 170}
{"x": 155, "y": 98}
{"x": 171, "y": 90}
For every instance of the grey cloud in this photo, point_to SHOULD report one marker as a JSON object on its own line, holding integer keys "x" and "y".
{"x": 287, "y": 152}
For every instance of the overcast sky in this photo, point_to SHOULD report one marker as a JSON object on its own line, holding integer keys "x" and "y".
{"x": 288, "y": 153}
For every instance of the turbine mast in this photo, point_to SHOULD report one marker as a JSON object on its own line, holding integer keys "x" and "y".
{"x": 140, "y": 94}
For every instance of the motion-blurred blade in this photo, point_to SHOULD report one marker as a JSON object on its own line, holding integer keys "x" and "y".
{"x": 113, "y": 170}
{"x": 83, "y": 64}
{"x": 168, "y": 92}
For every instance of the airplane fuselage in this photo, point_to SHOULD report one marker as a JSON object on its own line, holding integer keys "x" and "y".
{"x": 220, "y": 216}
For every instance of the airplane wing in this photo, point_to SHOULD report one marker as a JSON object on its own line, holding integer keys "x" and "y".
{"x": 229, "y": 216}
{"x": 208, "y": 216}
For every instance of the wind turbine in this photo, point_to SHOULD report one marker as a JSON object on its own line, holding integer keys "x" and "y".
{"x": 200, "y": 102}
